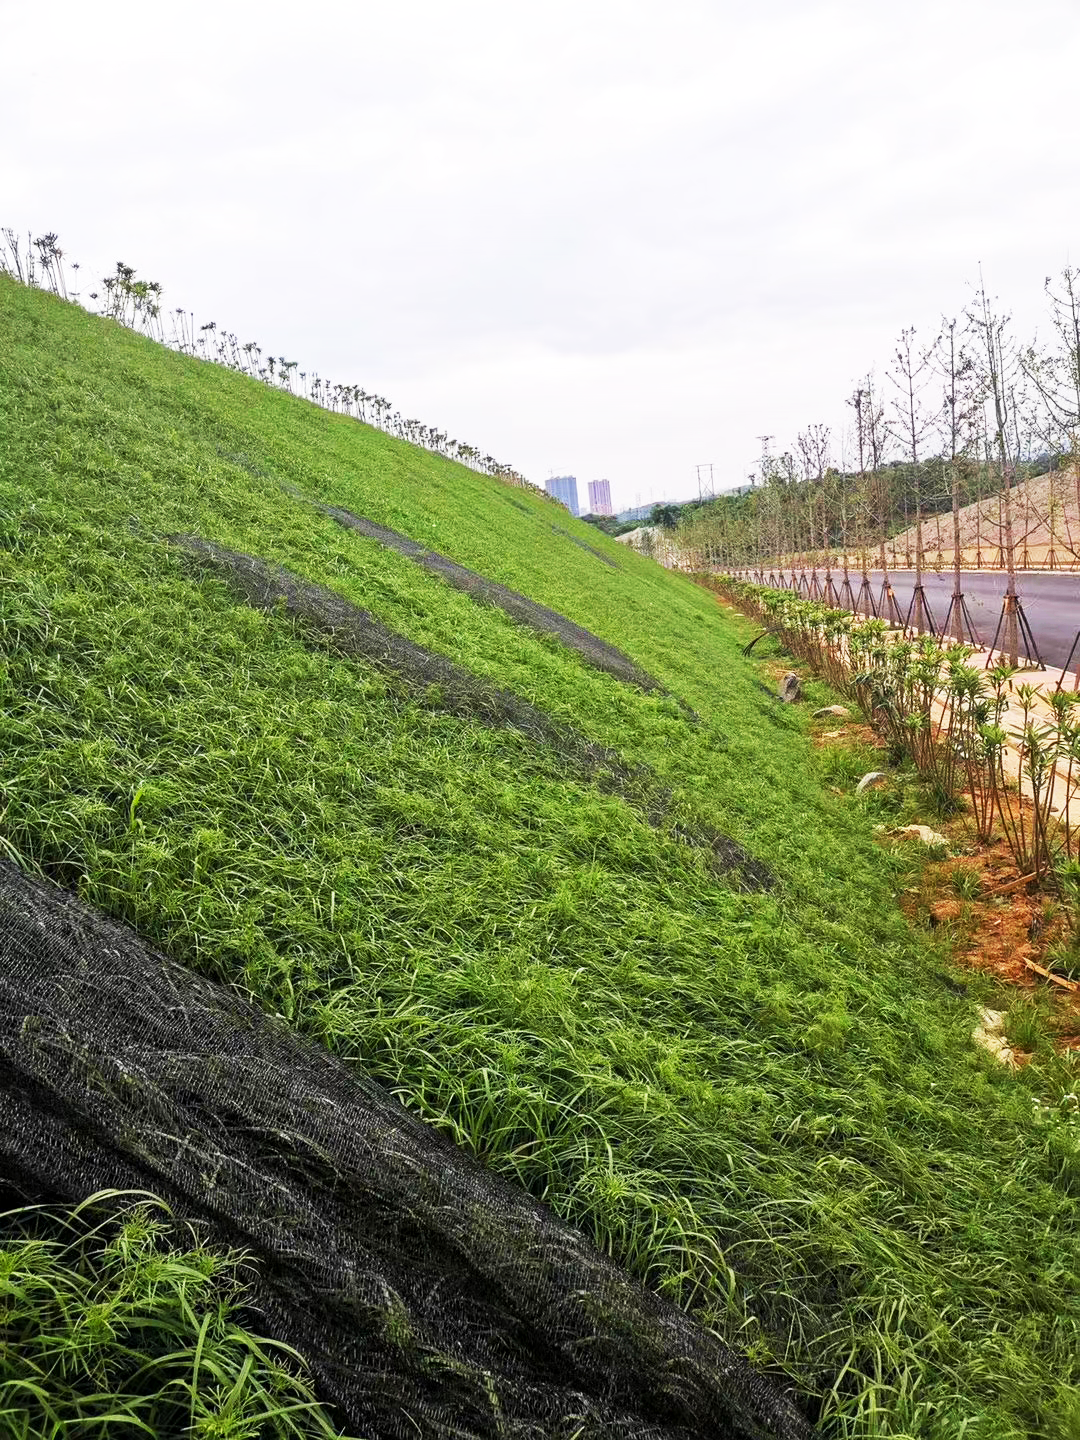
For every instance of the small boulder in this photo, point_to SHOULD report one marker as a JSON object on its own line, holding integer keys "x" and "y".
{"x": 790, "y": 688}
{"x": 923, "y": 833}
{"x": 989, "y": 1035}
{"x": 840, "y": 711}
{"x": 872, "y": 781}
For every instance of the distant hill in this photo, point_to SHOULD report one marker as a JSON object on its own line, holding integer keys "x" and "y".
{"x": 1045, "y": 517}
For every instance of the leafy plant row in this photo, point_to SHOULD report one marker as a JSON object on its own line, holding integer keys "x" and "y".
{"x": 955, "y": 721}
{"x": 137, "y": 304}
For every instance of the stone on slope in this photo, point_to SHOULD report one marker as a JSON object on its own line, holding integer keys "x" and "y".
{"x": 790, "y": 688}
{"x": 871, "y": 781}
{"x": 923, "y": 833}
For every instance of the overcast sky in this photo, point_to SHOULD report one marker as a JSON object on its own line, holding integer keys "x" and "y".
{"x": 612, "y": 239}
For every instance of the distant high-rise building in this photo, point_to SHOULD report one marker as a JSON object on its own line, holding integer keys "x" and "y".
{"x": 564, "y": 489}
{"x": 600, "y": 497}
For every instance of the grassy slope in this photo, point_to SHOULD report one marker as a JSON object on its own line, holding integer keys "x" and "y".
{"x": 767, "y": 1105}
{"x": 142, "y": 1301}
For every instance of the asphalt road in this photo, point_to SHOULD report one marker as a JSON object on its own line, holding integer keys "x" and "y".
{"x": 1051, "y": 602}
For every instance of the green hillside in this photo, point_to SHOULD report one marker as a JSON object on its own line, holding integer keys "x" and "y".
{"x": 754, "y": 1086}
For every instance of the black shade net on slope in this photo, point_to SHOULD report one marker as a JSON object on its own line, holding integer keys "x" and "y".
{"x": 584, "y": 545}
{"x": 436, "y": 680}
{"x": 519, "y": 607}
{"x": 429, "y": 1297}
{"x": 359, "y": 634}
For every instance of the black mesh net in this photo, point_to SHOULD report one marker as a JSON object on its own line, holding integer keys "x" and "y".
{"x": 428, "y": 678}
{"x": 435, "y": 680}
{"x": 584, "y": 545}
{"x": 429, "y": 1297}
{"x": 726, "y": 857}
{"x": 519, "y": 607}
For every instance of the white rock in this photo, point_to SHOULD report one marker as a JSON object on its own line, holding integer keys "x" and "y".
{"x": 840, "y": 711}
{"x": 989, "y": 1036}
{"x": 923, "y": 833}
{"x": 871, "y": 781}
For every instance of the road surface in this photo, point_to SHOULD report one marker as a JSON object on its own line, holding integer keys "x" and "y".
{"x": 1051, "y": 602}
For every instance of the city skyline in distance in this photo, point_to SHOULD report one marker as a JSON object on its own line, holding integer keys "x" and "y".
{"x": 600, "y": 497}
{"x": 564, "y": 489}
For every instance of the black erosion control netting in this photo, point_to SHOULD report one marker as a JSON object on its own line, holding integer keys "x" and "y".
{"x": 726, "y": 857}
{"x": 427, "y": 677}
{"x": 436, "y": 680}
{"x": 519, "y": 607}
{"x": 584, "y": 545}
{"x": 428, "y": 1297}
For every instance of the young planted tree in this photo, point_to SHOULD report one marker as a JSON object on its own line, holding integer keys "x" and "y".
{"x": 770, "y": 501}
{"x": 1054, "y": 377}
{"x": 1000, "y": 370}
{"x": 813, "y": 447}
{"x": 789, "y": 512}
{"x": 909, "y": 375}
{"x": 954, "y": 368}
{"x": 877, "y": 439}
{"x": 845, "y": 596}
{"x": 861, "y": 402}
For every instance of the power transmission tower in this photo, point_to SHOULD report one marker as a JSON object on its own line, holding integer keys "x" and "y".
{"x": 706, "y": 487}
{"x": 766, "y": 459}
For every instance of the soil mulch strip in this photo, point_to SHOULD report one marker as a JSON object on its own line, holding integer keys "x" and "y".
{"x": 431, "y": 679}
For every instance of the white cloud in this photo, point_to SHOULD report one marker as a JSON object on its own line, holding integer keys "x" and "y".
{"x": 612, "y": 238}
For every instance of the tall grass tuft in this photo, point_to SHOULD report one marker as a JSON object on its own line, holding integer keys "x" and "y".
{"x": 117, "y": 1319}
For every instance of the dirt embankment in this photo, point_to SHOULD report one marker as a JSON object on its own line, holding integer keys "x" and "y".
{"x": 1045, "y": 518}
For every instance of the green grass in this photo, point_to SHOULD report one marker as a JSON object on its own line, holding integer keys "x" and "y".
{"x": 768, "y": 1106}
{"x": 116, "y": 1320}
